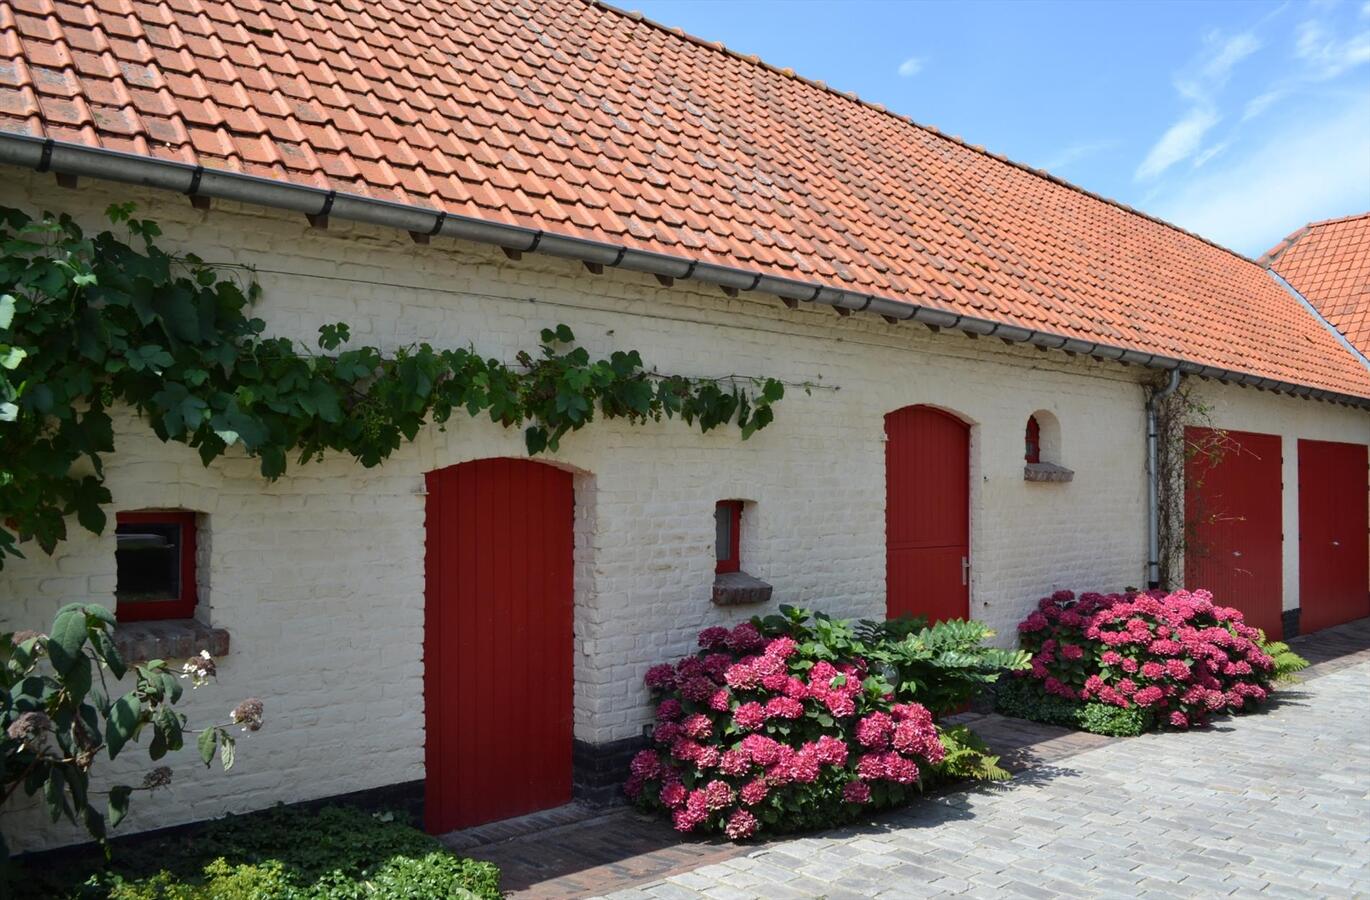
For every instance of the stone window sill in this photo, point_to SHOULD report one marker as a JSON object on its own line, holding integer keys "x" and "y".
{"x": 1047, "y": 472}
{"x": 739, "y": 588}
{"x": 169, "y": 639}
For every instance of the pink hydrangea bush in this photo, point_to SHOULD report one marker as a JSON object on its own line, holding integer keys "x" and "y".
{"x": 1179, "y": 656}
{"x": 754, "y": 734}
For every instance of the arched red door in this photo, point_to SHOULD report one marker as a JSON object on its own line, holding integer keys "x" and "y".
{"x": 497, "y": 642}
{"x": 927, "y": 514}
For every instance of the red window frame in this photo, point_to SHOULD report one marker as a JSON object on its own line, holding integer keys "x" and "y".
{"x": 182, "y": 607}
{"x": 734, "y": 561}
{"x": 1033, "y": 453}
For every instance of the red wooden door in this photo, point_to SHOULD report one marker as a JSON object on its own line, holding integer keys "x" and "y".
{"x": 1233, "y": 516}
{"x": 497, "y": 642}
{"x": 927, "y": 514}
{"x": 1333, "y": 573}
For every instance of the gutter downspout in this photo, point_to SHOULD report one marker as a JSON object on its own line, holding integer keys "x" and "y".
{"x": 1153, "y": 482}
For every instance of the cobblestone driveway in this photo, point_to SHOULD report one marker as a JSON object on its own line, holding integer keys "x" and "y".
{"x": 1277, "y": 803}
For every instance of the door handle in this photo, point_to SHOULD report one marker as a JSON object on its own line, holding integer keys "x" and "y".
{"x": 1236, "y": 553}
{"x": 965, "y": 570}
{"x": 1336, "y": 543}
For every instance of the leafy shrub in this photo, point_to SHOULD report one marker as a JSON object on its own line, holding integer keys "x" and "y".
{"x": 1178, "y": 655}
{"x": 338, "y": 853}
{"x": 802, "y": 721}
{"x": 1023, "y": 698}
{"x": 56, "y": 719}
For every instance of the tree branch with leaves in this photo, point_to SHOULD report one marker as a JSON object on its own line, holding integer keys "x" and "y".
{"x": 56, "y": 720}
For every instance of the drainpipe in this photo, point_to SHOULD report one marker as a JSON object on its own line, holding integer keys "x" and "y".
{"x": 1153, "y": 482}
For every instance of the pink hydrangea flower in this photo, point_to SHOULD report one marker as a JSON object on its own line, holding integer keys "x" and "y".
{"x": 741, "y": 825}
{"x": 754, "y": 791}
{"x": 745, "y": 637}
{"x": 831, "y": 751}
{"x": 697, "y": 726}
{"x": 713, "y": 638}
{"x": 646, "y": 764}
{"x": 668, "y": 710}
{"x": 781, "y": 647}
{"x": 720, "y": 700}
{"x": 762, "y": 750}
{"x": 661, "y": 678}
{"x": 734, "y": 762}
{"x": 875, "y": 730}
{"x": 718, "y": 794}
{"x": 749, "y": 716}
{"x": 784, "y": 708}
{"x": 856, "y": 792}
{"x": 673, "y": 794}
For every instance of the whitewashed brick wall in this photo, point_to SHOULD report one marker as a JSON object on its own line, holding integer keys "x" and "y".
{"x": 319, "y": 576}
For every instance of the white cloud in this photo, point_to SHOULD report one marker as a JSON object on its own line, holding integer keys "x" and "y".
{"x": 911, "y": 67}
{"x": 1229, "y": 53}
{"x": 1075, "y": 152}
{"x": 1261, "y": 102}
{"x": 1327, "y": 56}
{"x": 1179, "y": 142}
{"x": 1215, "y": 150}
{"x": 1308, "y": 169}
{"x": 1200, "y": 84}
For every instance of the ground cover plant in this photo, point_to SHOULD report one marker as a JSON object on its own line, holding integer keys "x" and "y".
{"x": 1158, "y": 659}
{"x": 337, "y": 853}
{"x": 801, "y": 721}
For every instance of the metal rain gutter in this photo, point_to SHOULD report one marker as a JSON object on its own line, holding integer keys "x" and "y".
{"x": 48, "y": 155}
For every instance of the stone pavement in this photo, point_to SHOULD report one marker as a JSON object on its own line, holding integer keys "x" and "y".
{"x": 1276, "y": 803}
{"x": 1110, "y": 807}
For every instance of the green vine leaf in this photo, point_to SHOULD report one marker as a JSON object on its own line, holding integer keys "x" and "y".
{"x": 90, "y": 322}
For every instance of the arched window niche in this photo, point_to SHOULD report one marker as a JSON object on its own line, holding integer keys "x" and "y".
{"x": 1042, "y": 450}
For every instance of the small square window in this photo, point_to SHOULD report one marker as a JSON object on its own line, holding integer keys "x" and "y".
{"x": 727, "y": 535}
{"x": 155, "y": 561}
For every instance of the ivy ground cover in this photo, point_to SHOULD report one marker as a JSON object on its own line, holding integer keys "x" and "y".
{"x": 803, "y": 721}
{"x": 1132, "y": 661}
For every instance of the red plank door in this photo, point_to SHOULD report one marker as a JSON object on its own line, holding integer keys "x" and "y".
{"x": 927, "y": 514}
{"x": 1333, "y": 573}
{"x": 1233, "y": 514}
{"x": 497, "y": 642}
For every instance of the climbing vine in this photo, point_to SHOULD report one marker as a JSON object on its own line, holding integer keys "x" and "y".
{"x": 1176, "y": 447}
{"x": 88, "y": 323}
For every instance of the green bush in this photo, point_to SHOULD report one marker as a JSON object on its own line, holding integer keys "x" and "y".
{"x": 338, "y": 853}
{"x": 1023, "y": 698}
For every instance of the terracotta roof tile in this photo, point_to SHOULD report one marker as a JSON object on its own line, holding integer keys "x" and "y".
{"x": 573, "y": 117}
{"x": 1329, "y": 263}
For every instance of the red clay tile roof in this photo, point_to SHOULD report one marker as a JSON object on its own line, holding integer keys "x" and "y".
{"x": 582, "y": 120}
{"x": 1329, "y": 263}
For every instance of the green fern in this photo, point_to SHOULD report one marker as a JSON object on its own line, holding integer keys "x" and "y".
{"x": 1287, "y": 662}
{"x": 968, "y": 756}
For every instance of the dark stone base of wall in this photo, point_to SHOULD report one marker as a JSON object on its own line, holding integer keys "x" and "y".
{"x": 404, "y": 799}
{"x": 599, "y": 770}
{"x": 1290, "y": 619}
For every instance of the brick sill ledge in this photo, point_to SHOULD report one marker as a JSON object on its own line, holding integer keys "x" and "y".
{"x": 738, "y": 588}
{"x": 169, "y": 639}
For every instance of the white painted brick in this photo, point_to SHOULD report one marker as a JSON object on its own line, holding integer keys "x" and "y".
{"x": 319, "y": 576}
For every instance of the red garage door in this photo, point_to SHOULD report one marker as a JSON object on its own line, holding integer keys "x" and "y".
{"x": 1233, "y": 540}
{"x": 927, "y": 513}
{"x": 1333, "y": 573}
{"x": 497, "y": 642}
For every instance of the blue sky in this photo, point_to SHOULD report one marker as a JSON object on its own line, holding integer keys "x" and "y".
{"x": 1238, "y": 120}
